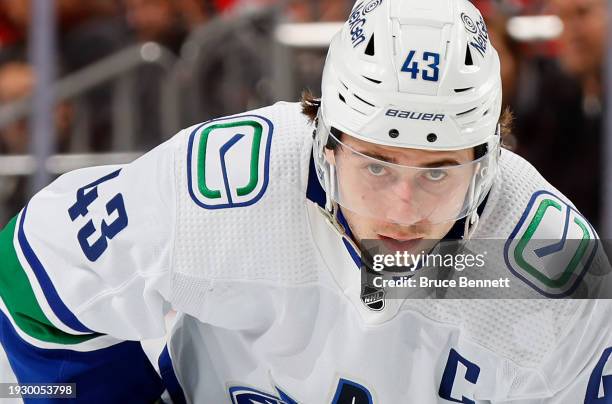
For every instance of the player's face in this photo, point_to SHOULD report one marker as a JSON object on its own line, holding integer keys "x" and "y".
{"x": 403, "y": 202}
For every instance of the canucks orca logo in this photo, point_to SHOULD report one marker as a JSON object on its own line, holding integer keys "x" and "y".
{"x": 247, "y": 395}
{"x": 229, "y": 161}
{"x": 552, "y": 246}
{"x": 347, "y": 392}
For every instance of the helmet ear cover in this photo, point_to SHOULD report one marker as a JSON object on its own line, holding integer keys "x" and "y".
{"x": 480, "y": 150}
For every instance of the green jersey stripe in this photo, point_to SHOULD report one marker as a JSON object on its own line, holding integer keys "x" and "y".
{"x": 20, "y": 300}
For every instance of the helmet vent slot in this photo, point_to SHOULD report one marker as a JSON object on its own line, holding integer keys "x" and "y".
{"x": 469, "y": 61}
{"x": 372, "y": 80}
{"x": 356, "y": 110}
{"x": 466, "y": 112}
{"x": 341, "y": 98}
{"x": 344, "y": 85}
{"x": 364, "y": 101}
{"x": 462, "y": 90}
{"x": 370, "y": 48}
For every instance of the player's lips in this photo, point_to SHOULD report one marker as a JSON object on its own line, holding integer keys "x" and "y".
{"x": 400, "y": 243}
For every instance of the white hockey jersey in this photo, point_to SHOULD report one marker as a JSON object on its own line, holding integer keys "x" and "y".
{"x": 220, "y": 225}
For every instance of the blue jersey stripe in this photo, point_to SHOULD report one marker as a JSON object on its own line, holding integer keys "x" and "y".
{"x": 169, "y": 378}
{"x": 55, "y": 302}
{"x": 121, "y": 373}
{"x": 314, "y": 190}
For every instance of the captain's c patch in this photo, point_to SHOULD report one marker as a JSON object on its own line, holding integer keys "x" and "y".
{"x": 552, "y": 246}
{"x": 228, "y": 161}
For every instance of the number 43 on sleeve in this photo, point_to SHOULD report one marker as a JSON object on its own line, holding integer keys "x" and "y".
{"x": 85, "y": 196}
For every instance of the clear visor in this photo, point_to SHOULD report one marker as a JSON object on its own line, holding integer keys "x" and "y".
{"x": 436, "y": 193}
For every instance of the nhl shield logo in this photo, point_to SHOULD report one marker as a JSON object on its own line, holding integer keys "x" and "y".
{"x": 229, "y": 161}
{"x": 373, "y": 298}
{"x": 552, "y": 246}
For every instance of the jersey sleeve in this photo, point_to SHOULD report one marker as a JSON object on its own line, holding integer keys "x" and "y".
{"x": 84, "y": 275}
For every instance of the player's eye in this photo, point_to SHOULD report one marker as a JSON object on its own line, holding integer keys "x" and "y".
{"x": 376, "y": 170}
{"x": 435, "y": 175}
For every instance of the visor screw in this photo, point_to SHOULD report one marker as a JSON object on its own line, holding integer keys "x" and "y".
{"x": 393, "y": 133}
{"x": 432, "y": 137}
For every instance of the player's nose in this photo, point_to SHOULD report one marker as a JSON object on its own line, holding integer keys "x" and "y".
{"x": 403, "y": 190}
{"x": 402, "y": 205}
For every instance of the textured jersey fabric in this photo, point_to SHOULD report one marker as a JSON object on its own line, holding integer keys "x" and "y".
{"x": 216, "y": 224}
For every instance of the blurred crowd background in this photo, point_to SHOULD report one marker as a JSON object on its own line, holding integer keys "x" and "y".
{"x": 132, "y": 72}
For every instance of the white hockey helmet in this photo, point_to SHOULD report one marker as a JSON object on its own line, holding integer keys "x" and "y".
{"x": 412, "y": 74}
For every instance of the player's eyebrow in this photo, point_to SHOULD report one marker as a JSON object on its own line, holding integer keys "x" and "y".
{"x": 442, "y": 163}
{"x": 378, "y": 156}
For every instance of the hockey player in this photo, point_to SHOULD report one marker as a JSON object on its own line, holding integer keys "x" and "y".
{"x": 250, "y": 226}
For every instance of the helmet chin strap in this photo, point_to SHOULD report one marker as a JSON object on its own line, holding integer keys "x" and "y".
{"x": 471, "y": 221}
{"x": 331, "y": 207}
{"x": 471, "y": 224}
{"x": 329, "y": 189}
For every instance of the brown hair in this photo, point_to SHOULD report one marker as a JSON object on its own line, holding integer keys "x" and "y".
{"x": 310, "y": 108}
